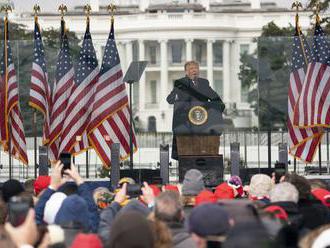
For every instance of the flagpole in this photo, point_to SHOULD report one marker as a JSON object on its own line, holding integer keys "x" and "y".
{"x": 35, "y": 142}
{"x": 36, "y": 9}
{"x": 317, "y": 21}
{"x": 298, "y": 5}
{"x": 87, "y": 9}
{"x": 6, "y": 9}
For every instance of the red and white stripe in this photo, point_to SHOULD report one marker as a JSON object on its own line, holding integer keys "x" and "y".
{"x": 115, "y": 129}
{"x": 14, "y": 122}
{"x": 110, "y": 96}
{"x": 61, "y": 96}
{"x": 303, "y": 142}
{"x": 78, "y": 112}
{"x": 313, "y": 105}
{"x": 40, "y": 97}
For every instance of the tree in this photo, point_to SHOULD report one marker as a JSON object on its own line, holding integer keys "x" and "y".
{"x": 266, "y": 75}
{"x": 22, "y": 47}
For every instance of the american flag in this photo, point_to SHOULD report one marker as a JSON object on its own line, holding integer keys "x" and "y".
{"x": 11, "y": 122}
{"x": 110, "y": 116}
{"x": 40, "y": 94}
{"x": 82, "y": 97}
{"x": 303, "y": 142}
{"x": 313, "y": 106}
{"x": 62, "y": 88}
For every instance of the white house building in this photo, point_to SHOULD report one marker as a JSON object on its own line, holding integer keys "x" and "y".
{"x": 168, "y": 33}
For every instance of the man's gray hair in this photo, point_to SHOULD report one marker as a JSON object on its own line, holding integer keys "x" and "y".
{"x": 168, "y": 207}
{"x": 284, "y": 192}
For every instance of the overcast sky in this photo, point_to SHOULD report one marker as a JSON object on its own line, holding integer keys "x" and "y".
{"x": 52, "y": 5}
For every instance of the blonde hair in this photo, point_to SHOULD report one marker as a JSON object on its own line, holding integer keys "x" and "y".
{"x": 188, "y": 63}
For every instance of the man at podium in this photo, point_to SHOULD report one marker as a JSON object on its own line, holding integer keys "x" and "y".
{"x": 189, "y": 89}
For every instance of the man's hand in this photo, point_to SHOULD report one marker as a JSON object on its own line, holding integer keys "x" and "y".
{"x": 121, "y": 196}
{"x": 73, "y": 173}
{"x": 147, "y": 194}
{"x": 56, "y": 179}
{"x": 25, "y": 234}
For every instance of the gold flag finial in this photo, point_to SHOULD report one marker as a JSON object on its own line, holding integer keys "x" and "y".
{"x": 36, "y": 9}
{"x": 296, "y": 5}
{"x": 6, "y": 9}
{"x": 316, "y": 11}
{"x": 87, "y": 9}
{"x": 62, "y": 8}
{"x": 112, "y": 8}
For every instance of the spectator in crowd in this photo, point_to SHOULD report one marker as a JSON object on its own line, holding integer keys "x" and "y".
{"x": 317, "y": 183}
{"x": 248, "y": 234}
{"x": 86, "y": 241}
{"x": 168, "y": 208}
{"x": 309, "y": 240}
{"x": 224, "y": 191}
{"x": 11, "y": 187}
{"x": 313, "y": 211}
{"x": 102, "y": 197}
{"x": 236, "y": 183}
{"x": 57, "y": 180}
{"x": 26, "y": 234}
{"x": 40, "y": 184}
{"x": 209, "y": 225}
{"x": 286, "y": 196}
{"x": 205, "y": 196}
{"x": 131, "y": 230}
{"x": 162, "y": 234}
{"x": 322, "y": 195}
{"x": 108, "y": 215}
{"x": 192, "y": 185}
{"x": 259, "y": 188}
{"x": 52, "y": 206}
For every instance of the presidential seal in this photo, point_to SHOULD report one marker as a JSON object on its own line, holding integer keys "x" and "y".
{"x": 197, "y": 115}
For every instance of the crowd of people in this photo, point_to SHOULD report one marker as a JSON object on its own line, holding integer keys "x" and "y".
{"x": 61, "y": 210}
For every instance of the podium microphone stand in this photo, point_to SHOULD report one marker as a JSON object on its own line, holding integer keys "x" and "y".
{"x": 133, "y": 74}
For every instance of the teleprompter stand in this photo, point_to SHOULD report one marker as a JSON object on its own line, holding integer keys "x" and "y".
{"x": 133, "y": 74}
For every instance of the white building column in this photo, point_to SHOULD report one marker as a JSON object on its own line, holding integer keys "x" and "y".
{"x": 210, "y": 62}
{"x": 129, "y": 54}
{"x": 142, "y": 83}
{"x": 226, "y": 70}
{"x": 188, "y": 49}
{"x": 163, "y": 75}
{"x": 122, "y": 54}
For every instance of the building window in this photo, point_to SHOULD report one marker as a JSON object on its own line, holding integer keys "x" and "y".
{"x": 218, "y": 83}
{"x": 217, "y": 53}
{"x": 153, "y": 91}
{"x": 153, "y": 54}
{"x": 152, "y": 124}
{"x": 177, "y": 51}
{"x": 135, "y": 96}
{"x": 135, "y": 48}
{"x": 199, "y": 51}
{"x": 244, "y": 48}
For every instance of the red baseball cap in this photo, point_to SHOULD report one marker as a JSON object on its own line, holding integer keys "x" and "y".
{"x": 205, "y": 197}
{"x": 323, "y": 195}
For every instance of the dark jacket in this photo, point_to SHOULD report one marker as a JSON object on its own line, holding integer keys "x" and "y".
{"x": 180, "y": 237}
{"x": 84, "y": 192}
{"x": 314, "y": 213}
{"x": 294, "y": 216}
{"x": 187, "y": 90}
{"x": 107, "y": 217}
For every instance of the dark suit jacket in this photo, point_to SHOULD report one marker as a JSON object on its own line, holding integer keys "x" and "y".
{"x": 185, "y": 90}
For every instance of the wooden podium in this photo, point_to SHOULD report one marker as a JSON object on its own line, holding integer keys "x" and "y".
{"x": 197, "y": 145}
{"x": 197, "y": 128}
